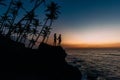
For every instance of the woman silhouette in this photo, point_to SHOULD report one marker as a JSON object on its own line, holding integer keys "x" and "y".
{"x": 55, "y": 39}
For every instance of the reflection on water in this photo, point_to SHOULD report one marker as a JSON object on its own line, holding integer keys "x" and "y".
{"x": 102, "y": 62}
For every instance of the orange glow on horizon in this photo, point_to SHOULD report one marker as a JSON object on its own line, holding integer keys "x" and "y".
{"x": 98, "y": 36}
{"x": 115, "y": 45}
{"x": 95, "y": 37}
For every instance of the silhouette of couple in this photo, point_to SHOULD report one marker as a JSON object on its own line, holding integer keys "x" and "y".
{"x": 55, "y": 39}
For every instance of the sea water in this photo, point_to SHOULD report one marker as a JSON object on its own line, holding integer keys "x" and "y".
{"x": 104, "y": 63}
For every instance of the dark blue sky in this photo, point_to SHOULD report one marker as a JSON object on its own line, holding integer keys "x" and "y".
{"x": 90, "y": 11}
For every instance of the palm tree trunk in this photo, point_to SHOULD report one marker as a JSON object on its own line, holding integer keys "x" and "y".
{"x": 32, "y": 10}
{"x": 20, "y": 39}
{"x": 49, "y": 28}
{"x": 2, "y": 26}
{"x": 11, "y": 29}
{"x": 19, "y": 35}
{"x": 40, "y": 32}
{"x": 31, "y": 41}
{"x": 28, "y": 22}
{"x": 51, "y": 23}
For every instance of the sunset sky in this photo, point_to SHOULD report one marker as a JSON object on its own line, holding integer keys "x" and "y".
{"x": 87, "y": 23}
{"x": 90, "y": 23}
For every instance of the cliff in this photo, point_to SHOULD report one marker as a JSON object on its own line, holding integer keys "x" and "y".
{"x": 45, "y": 63}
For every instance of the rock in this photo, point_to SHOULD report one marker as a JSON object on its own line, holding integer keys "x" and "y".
{"x": 45, "y": 63}
{"x": 48, "y": 61}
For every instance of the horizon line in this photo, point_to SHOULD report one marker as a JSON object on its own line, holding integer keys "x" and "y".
{"x": 107, "y": 45}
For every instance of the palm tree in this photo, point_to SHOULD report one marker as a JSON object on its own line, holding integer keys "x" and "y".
{"x": 19, "y": 30}
{"x": 14, "y": 10}
{"x": 36, "y": 5}
{"x": 27, "y": 27}
{"x": 34, "y": 31}
{"x": 5, "y": 17}
{"x": 45, "y": 33}
{"x": 52, "y": 14}
{"x": 24, "y": 33}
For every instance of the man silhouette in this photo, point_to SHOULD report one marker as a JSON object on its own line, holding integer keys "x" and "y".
{"x": 55, "y": 39}
{"x": 59, "y": 39}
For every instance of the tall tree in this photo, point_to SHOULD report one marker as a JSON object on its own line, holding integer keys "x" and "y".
{"x": 52, "y": 12}
{"x": 27, "y": 26}
{"x": 34, "y": 31}
{"x": 51, "y": 15}
{"x": 14, "y": 11}
{"x": 36, "y": 5}
{"x": 5, "y": 17}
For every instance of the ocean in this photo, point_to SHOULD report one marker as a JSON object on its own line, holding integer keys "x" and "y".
{"x": 103, "y": 63}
